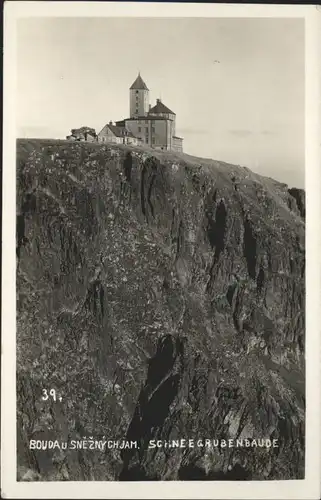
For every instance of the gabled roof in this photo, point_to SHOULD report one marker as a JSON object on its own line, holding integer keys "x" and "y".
{"x": 117, "y": 131}
{"x": 139, "y": 84}
{"x": 120, "y": 131}
{"x": 160, "y": 108}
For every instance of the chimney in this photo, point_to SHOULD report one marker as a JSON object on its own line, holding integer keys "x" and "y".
{"x": 157, "y": 101}
{"x": 110, "y": 123}
{"x": 149, "y": 107}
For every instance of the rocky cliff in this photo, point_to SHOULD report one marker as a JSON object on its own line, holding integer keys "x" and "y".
{"x": 162, "y": 297}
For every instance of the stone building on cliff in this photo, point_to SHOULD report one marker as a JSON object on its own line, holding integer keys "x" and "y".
{"x": 152, "y": 126}
{"x": 117, "y": 135}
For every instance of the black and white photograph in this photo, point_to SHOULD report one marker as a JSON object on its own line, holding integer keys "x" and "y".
{"x": 160, "y": 249}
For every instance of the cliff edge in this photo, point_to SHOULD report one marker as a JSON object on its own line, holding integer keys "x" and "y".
{"x": 162, "y": 297}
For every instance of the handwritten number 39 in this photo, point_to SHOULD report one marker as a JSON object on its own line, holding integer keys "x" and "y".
{"x": 45, "y": 395}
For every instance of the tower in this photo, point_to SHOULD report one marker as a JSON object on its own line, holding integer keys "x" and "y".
{"x": 138, "y": 98}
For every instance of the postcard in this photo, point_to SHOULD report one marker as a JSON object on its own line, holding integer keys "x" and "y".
{"x": 161, "y": 271}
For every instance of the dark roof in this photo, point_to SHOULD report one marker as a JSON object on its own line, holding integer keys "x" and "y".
{"x": 119, "y": 131}
{"x": 160, "y": 108}
{"x": 176, "y": 137}
{"x": 139, "y": 84}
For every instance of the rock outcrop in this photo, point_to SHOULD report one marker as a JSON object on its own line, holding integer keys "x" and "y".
{"x": 162, "y": 297}
{"x": 82, "y": 134}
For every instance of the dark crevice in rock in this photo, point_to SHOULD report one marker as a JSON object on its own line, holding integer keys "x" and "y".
{"x": 230, "y": 293}
{"x": 95, "y": 302}
{"x": 28, "y": 206}
{"x": 292, "y": 265}
{"x": 20, "y": 229}
{"x": 235, "y": 322}
{"x": 303, "y": 269}
{"x": 299, "y": 196}
{"x": 236, "y": 310}
{"x": 148, "y": 176}
{"x": 142, "y": 190}
{"x": 160, "y": 389}
{"x": 216, "y": 230}
{"x": 173, "y": 228}
{"x": 249, "y": 248}
{"x": 177, "y": 233}
{"x": 260, "y": 279}
{"x": 149, "y": 194}
{"x": 301, "y": 342}
{"x": 128, "y": 165}
{"x": 180, "y": 237}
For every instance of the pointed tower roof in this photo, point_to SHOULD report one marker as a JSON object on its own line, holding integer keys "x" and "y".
{"x": 139, "y": 84}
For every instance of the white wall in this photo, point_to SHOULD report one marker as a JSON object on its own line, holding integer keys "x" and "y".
{"x": 106, "y": 135}
{"x": 154, "y": 133}
{"x": 139, "y": 102}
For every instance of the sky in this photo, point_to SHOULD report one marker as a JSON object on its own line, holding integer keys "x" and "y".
{"x": 246, "y": 109}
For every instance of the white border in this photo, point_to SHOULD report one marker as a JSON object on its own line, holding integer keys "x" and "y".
{"x": 305, "y": 489}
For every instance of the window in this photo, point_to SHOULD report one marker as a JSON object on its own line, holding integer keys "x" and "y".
{"x": 139, "y": 129}
{"x": 136, "y": 91}
{"x": 153, "y": 129}
{"x": 153, "y": 140}
{"x": 146, "y": 129}
{"x": 137, "y": 111}
{"x": 146, "y": 121}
